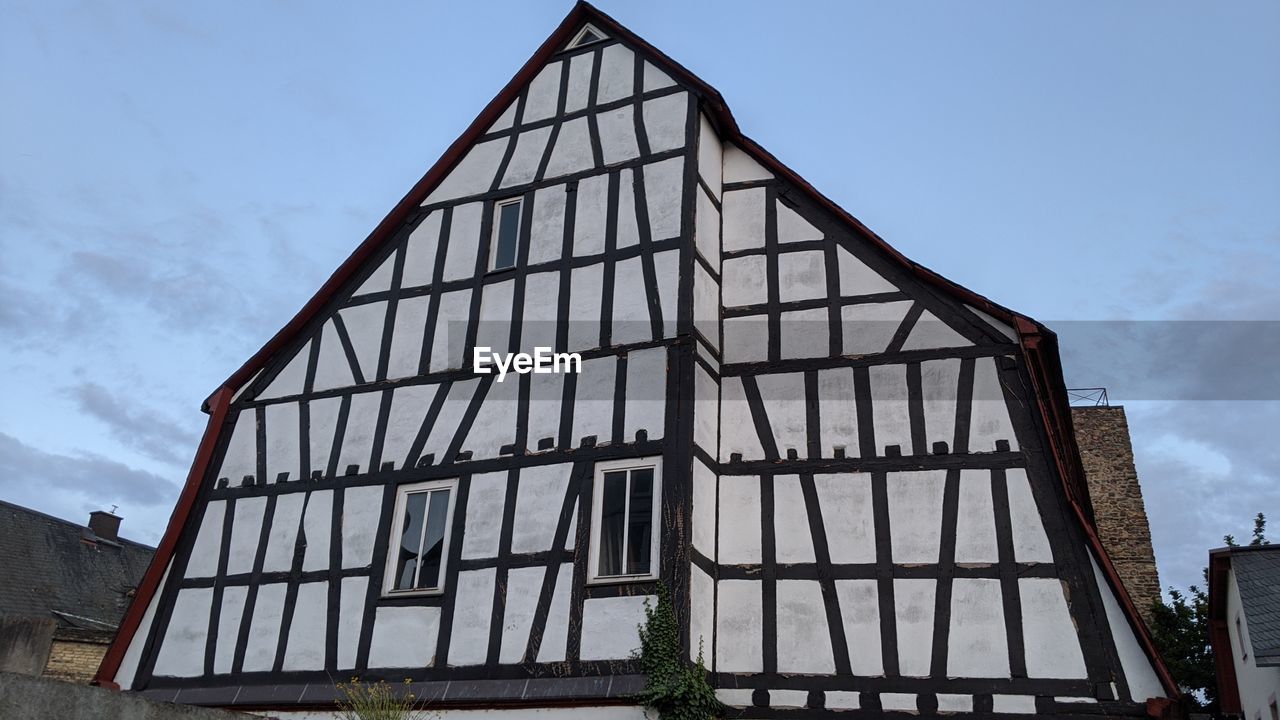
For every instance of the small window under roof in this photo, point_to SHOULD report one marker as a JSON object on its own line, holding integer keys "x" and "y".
{"x": 587, "y": 35}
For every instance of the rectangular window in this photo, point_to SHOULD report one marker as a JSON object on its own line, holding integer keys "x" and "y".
{"x": 624, "y": 520}
{"x": 506, "y": 233}
{"x": 1244, "y": 649}
{"x": 420, "y": 538}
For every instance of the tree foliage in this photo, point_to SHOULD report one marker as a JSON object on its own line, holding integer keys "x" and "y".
{"x": 673, "y": 687}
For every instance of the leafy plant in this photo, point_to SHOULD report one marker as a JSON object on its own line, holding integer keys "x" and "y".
{"x": 379, "y": 701}
{"x": 675, "y": 688}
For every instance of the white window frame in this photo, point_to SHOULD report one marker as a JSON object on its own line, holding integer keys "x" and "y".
{"x": 597, "y": 505}
{"x": 577, "y": 42}
{"x": 397, "y": 527}
{"x": 497, "y": 231}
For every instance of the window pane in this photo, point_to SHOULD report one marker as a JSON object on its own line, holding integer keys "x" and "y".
{"x": 410, "y": 540}
{"x": 433, "y": 541}
{"x": 640, "y": 521}
{"x": 612, "y": 508}
{"x": 508, "y": 227}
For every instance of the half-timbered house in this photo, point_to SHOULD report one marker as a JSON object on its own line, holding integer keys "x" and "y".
{"x": 857, "y": 479}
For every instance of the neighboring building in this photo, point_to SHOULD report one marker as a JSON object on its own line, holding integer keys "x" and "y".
{"x": 1102, "y": 434}
{"x": 1244, "y": 616}
{"x": 857, "y": 479}
{"x": 63, "y": 589}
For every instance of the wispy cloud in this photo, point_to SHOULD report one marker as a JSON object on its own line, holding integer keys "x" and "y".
{"x": 147, "y": 431}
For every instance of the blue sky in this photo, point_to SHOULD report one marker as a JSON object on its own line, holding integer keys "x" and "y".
{"x": 176, "y": 179}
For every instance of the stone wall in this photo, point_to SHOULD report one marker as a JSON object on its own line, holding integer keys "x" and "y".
{"x": 1103, "y": 436}
{"x": 42, "y": 699}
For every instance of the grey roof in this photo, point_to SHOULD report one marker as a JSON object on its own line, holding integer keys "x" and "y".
{"x": 1258, "y": 577}
{"x": 60, "y": 569}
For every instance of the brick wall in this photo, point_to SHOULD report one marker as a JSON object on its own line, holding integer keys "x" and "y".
{"x": 74, "y": 661}
{"x": 1103, "y": 436}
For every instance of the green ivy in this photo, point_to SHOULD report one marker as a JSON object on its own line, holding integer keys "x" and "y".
{"x": 673, "y": 687}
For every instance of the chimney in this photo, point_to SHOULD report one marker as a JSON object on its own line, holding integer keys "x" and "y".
{"x": 105, "y": 525}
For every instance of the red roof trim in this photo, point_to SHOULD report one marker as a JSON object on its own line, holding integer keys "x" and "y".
{"x": 1220, "y": 631}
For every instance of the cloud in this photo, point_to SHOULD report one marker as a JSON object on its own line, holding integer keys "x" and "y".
{"x": 146, "y": 431}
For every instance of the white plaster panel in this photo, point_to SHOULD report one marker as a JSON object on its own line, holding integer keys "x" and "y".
{"x": 842, "y": 700}
{"x": 284, "y": 434}
{"x": 361, "y": 510}
{"x": 929, "y": 332}
{"x": 746, "y": 339}
{"x": 408, "y": 332}
{"x": 555, "y": 634}
{"x": 404, "y": 637}
{"x": 739, "y": 521}
{"x": 304, "y": 650}
{"x": 362, "y": 422}
{"x": 409, "y": 405}
{"x": 913, "y": 609}
{"x": 264, "y": 628}
{"x": 739, "y": 697}
{"x": 782, "y": 395}
{"x": 472, "y": 615}
{"x": 702, "y": 610}
{"x": 593, "y": 401}
{"x": 631, "y": 319}
{"x": 856, "y": 278}
{"x": 655, "y": 79}
{"x": 868, "y": 328}
{"x": 543, "y": 94}
{"x": 805, "y": 333}
{"x": 989, "y": 420}
{"x": 646, "y": 394}
{"x": 746, "y": 281}
{"x": 1052, "y": 647}
{"x": 420, "y": 252}
{"x": 788, "y": 698}
{"x": 804, "y": 641}
{"x": 794, "y": 228}
{"x": 203, "y": 560}
{"x": 323, "y": 413}
{"x": 890, "y": 413}
{"x": 290, "y": 379}
{"x": 899, "y": 702}
{"x": 706, "y": 411}
{"x": 380, "y": 279}
{"x": 617, "y": 73}
{"x": 610, "y": 626}
{"x": 739, "y": 641}
{"x": 740, "y": 167}
{"x": 706, "y": 231}
{"x": 664, "y": 197}
{"x": 473, "y": 174}
{"x": 282, "y": 538}
{"x": 539, "y": 496}
{"x": 317, "y": 525}
{"x": 494, "y": 325}
{"x": 224, "y": 652}
{"x": 585, "y": 288}
{"x": 710, "y": 156}
{"x": 486, "y": 501}
{"x": 246, "y": 526}
{"x": 182, "y": 652}
{"x": 1014, "y": 704}
{"x": 332, "y": 368}
{"x": 464, "y": 241}
{"x": 939, "y": 380}
{"x": 241, "y": 457}
{"x": 915, "y": 515}
{"x": 591, "y": 215}
{"x": 737, "y": 429}
{"x": 845, "y": 500}
{"x": 860, "y": 614}
{"x": 618, "y": 135}
{"x": 546, "y": 225}
{"x": 628, "y": 227}
{"x": 837, "y": 415}
{"x": 579, "y": 91}
{"x": 505, "y": 120}
{"x": 1000, "y": 327}
{"x": 664, "y": 121}
{"x": 706, "y": 305}
{"x": 446, "y": 424}
{"x": 794, "y": 541}
{"x": 950, "y": 702}
{"x": 1030, "y": 544}
{"x": 541, "y": 301}
{"x": 495, "y": 423}
{"x": 350, "y": 619}
{"x": 133, "y": 652}
{"x": 666, "y": 265}
{"x": 528, "y": 156}
{"x": 524, "y": 587}
{"x": 364, "y": 327}
{"x": 572, "y": 152}
{"x": 977, "y": 645}
{"x": 743, "y": 219}
{"x": 975, "y": 521}
{"x": 802, "y": 276}
{"x": 545, "y": 394}
{"x": 449, "y": 334}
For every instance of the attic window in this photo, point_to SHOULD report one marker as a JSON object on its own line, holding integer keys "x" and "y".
{"x": 506, "y": 234}
{"x": 587, "y": 35}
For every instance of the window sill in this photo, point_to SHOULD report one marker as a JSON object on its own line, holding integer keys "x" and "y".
{"x": 622, "y": 579}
